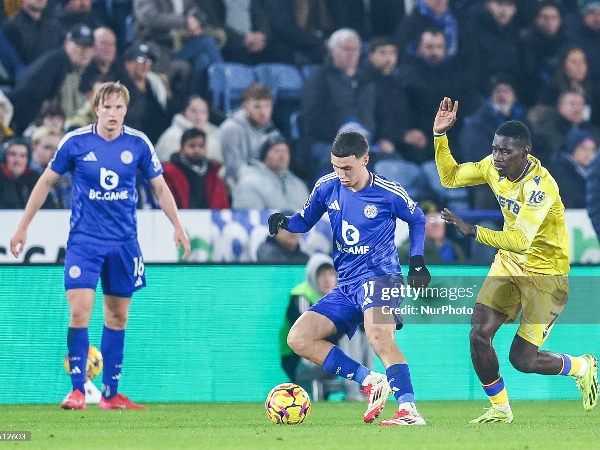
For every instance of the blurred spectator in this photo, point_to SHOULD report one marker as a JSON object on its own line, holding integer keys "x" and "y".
{"x": 496, "y": 40}
{"x": 572, "y": 75}
{"x": 246, "y": 26}
{"x": 166, "y": 26}
{"x": 195, "y": 115}
{"x": 283, "y": 248}
{"x": 592, "y": 198}
{"x": 339, "y": 90}
{"x": 480, "y": 127}
{"x": 6, "y": 113}
{"x": 118, "y": 16}
{"x": 193, "y": 180}
{"x": 17, "y": 178}
{"x": 439, "y": 249}
{"x": 86, "y": 114}
{"x": 72, "y": 12}
{"x": 296, "y": 39}
{"x": 540, "y": 45}
{"x": 105, "y": 63}
{"x": 149, "y": 91}
{"x": 33, "y": 32}
{"x": 56, "y": 74}
{"x": 584, "y": 31}
{"x": 269, "y": 184}
{"x": 10, "y": 64}
{"x": 51, "y": 115}
{"x": 348, "y": 14}
{"x": 570, "y": 168}
{"x": 429, "y": 14}
{"x": 245, "y": 131}
{"x": 552, "y": 129}
{"x": 44, "y": 144}
{"x": 320, "y": 278}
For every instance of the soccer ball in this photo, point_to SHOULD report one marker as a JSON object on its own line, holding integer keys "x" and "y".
{"x": 93, "y": 366}
{"x": 287, "y": 404}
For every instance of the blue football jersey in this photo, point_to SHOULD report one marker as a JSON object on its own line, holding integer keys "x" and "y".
{"x": 104, "y": 181}
{"x": 363, "y": 225}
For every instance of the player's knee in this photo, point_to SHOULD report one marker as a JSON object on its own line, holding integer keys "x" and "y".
{"x": 79, "y": 317}
{"x": 478, "y": 337}
{"x": 378, "y": 338}
{"x": 297, "y": 342}
{"x": 521, "y": 362}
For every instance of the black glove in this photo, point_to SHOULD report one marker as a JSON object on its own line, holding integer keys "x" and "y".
{"x": 418, "y": 275}
{"x": 277, "y": 221}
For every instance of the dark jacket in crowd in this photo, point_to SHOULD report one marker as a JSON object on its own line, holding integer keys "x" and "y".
{"x": 14, "y": 192}
{"x": 195, "y": 189}
{"x": 40, "y": 81}
{"x": 330, "y": 97}
{"x": 570, "y": 178}
{"x": 271, "y": 252}
{"x": 33, "y": 38}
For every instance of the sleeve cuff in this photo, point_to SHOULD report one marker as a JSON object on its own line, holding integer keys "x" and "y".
{"x": 475, "y": 235}
{"x": 439, "y": 134}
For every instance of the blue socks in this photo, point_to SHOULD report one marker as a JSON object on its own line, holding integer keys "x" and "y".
{"x": 112, "y": 345}
{"x": 78, "y": 343}
{"x": 399, "y": 379}
{"x": 337, "y": 362}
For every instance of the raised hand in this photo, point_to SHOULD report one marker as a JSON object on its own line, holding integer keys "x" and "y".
{"x": 446, "y": 116}
{"x": 464, "y": 228}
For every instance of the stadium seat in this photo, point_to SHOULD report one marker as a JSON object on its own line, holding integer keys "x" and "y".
{"x": 309, "y": 69}
{"x": 227, "y": 82}
{"x": 284, "y": 80}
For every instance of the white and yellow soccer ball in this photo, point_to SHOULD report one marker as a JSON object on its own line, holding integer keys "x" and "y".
{"x": 93, "y": 365}
{"x": 287, "y": 404}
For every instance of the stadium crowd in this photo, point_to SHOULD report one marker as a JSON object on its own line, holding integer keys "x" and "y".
{"x": 380, "y": 67}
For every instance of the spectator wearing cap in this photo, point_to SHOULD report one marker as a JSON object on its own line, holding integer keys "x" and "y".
{"x": 56, "y": 74}
{"x": 149, "y": 92}
{"x": 193, "y": 180}
{"x": 584, "y": 31}
{"x": 245, "y": 131}
{"x": 282, "y": 248}
{"x": 33, "y": 32}
{"x": 17, "y": 178}
{"x": 570, "y": 167}
{"x": 439, "y": 249}
{"x": 268, "y": 184}
{"x": 479, "y": 128}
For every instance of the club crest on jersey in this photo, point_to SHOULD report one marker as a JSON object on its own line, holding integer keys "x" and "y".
{"x": 127, "y": 157}
{"x": 370, "y": 211}
{"x": 74, "y": 271}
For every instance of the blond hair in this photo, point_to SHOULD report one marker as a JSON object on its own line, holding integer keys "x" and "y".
{"x": 110, "y": 87}
{"x": 42, "y": 132}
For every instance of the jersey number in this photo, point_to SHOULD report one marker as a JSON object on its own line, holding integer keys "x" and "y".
{"x": 138, "y": 266}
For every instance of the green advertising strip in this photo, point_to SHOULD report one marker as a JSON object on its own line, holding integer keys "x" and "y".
{"x": 210, "y": 333}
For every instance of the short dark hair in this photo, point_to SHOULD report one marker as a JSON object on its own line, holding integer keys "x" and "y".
{"x": 516, "y": 130}
{"x": 380, "y": 41}
{"x": 350, "y": 143}
{"x": 192, "y": 133}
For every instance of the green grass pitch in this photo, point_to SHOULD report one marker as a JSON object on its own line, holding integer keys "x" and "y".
{"x": 331, "y": 425}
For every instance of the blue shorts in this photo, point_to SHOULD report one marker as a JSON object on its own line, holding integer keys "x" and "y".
{"x": 121, "y": 267}
{"x": 345, "y": 305}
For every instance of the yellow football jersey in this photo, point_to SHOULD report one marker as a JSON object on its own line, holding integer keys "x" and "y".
{"x": 535, "y": 232}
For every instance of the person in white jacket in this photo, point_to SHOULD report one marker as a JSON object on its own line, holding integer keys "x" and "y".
{"x": 194, "y": 115}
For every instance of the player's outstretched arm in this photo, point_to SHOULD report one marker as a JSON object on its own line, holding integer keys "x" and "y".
{"x": 168, "y": 205}
{"x": 446, "y": 116}
{"x": 36, "y": 200}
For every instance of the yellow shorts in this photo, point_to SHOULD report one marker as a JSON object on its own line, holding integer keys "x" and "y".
{"x": 508, "y": 288}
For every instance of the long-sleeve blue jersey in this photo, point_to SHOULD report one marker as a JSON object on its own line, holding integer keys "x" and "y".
{"x": 363, "y": 225}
